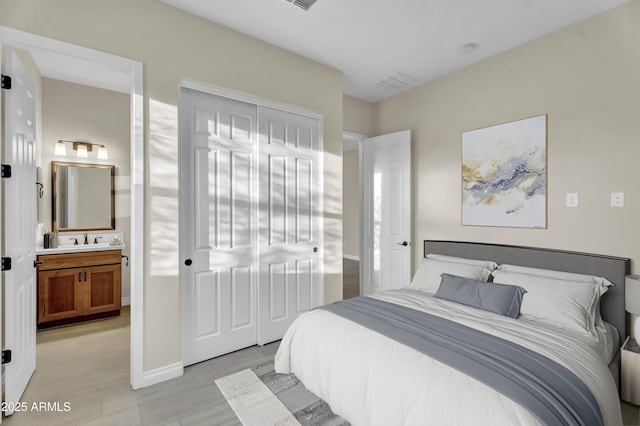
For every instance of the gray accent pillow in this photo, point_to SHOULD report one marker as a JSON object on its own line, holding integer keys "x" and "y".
{"x": 501, "y": 299}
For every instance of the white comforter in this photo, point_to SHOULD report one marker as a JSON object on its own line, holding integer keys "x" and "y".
{"x": 369, "y": 379}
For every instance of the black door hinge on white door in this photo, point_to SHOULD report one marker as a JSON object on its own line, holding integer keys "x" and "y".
{"x": 6, "y": 263}
{"x": 6, "y": 170}
{"x": 6, "y": 356}
{"x": 6, "y": 82}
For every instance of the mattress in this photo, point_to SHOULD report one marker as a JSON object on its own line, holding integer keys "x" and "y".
{"x": 370, "y": 379}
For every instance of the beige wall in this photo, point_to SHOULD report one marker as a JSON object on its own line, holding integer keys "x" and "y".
{"x": 357, "y": 116}
{"x": 351, "y": 203}
{"x": 587, "y": 79}
{"x": 77, "y": 112}
{"x": 174, "y": 45}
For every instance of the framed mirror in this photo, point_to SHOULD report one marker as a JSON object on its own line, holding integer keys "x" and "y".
{"x": 83, "y": 196}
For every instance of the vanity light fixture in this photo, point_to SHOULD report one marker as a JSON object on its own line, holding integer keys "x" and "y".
{"x": 102, "y": 153}
{"x": 82, "y": 149}
{"x": 61, "y": 149}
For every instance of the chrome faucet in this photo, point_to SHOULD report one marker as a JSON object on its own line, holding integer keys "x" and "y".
{"x": 86, "y": 238}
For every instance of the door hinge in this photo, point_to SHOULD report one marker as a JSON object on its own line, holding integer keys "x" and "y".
{"x": 6, "y": 82}
{"x": 6, "y": 170}
{"x": 6, "y": 263}
{"x": 6, "y": 356}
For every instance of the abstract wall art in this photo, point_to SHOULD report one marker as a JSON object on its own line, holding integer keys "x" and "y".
{"x": 504, "y": 174}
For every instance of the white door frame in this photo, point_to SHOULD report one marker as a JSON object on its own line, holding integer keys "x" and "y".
{"x": 35, "y": 43}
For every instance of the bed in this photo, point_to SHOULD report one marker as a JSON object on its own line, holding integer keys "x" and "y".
{"x": 372, "y": 378}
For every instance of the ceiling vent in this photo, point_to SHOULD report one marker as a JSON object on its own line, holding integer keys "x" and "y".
{"x": 397, "y": 81}
{"x": 303, "y": 4}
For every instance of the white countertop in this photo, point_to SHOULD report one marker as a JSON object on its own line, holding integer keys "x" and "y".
{"x": 67, "y": 245}
{"x": 79, "y": 248}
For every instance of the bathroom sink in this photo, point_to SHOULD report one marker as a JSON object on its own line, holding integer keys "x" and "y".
{"x": 83, "y": 246}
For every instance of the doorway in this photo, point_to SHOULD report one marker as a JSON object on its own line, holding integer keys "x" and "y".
{"x": 377, "y": 229}
{"x": 121, "y": 69}
{"x": 351, "y": 145}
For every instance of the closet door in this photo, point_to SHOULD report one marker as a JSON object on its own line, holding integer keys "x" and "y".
{"x": 290, "y": 220}
{"x": 218, "y": 225}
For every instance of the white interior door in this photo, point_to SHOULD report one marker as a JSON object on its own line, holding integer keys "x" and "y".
{"x": 290, "y": 222}
{"x": 19, "y": 228}
{"x": 386, "y": 215}
{"x": 219, "y": 233}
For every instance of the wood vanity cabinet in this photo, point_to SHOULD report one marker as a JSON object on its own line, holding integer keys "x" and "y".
{"x": 80, "y": 286}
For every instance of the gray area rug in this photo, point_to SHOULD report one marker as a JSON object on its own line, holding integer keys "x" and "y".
{"x": 262, "y": 397}
{"x": 307, "y": 408}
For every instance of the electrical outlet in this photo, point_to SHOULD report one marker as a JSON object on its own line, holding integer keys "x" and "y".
{"x": 617, "y": 199}
{"x": 572, "y": 199}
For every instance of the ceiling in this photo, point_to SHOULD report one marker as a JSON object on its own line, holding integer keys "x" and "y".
{"x": 415, "y": 41}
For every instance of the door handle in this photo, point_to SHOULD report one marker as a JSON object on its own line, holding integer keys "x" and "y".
{"x": 404, "y": 243}
{"x": 315, "y": 249}
{"x": 188, "y": 262}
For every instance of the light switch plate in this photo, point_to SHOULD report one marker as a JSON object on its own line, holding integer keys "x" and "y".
{"x": 572, "y": 199}
{"x": 617, "y": 199}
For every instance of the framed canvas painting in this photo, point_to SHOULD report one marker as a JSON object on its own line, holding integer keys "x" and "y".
{"x": 504, "y": 174}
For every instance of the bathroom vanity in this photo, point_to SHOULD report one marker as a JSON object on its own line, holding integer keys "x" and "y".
{"x": 80, "y": 278}
{"x": 78, "y": 284}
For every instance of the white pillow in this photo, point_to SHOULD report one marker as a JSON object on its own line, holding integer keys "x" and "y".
{"x": 489, "y": 264}
{"x": 427, "y": 276}
{"x": 603, "y": 283}
{"x": 569, "y": 276}
{"x": 567, "y": 304}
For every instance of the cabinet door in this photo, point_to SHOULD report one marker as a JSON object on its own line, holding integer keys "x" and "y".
{"x": 101, "y": 290}
{"x": 59, "y": 294}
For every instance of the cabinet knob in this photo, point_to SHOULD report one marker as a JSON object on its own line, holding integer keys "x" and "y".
{"x": 36, "y": 263}
{"x": 188, "y": 262}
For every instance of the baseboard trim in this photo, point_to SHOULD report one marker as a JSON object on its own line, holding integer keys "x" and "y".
{"x": 162, "y": 374}
{"x": 126, "y": 301}
{"x": 350, "y": 257}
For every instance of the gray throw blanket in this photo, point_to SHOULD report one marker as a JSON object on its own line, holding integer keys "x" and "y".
{"x": 551, "y": 392}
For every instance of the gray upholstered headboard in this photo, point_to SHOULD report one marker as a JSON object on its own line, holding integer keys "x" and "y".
{"x": 612, "y": 268}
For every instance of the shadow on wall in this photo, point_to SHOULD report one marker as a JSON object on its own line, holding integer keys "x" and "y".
{"x": 162, "y": 223}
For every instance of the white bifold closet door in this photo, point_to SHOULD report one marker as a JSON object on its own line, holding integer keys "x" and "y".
{"x": 249, "y": 223}
{"x": 289, "y": 281}
{"x": 218, "y": 225}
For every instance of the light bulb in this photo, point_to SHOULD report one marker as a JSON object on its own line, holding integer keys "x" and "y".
{"x": 102, "y": 153}
{"x": 82, "y": 151}
{"x": 61, "y": 149}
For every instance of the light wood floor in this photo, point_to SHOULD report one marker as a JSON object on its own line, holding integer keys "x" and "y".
{"x": 87, "y": 365}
